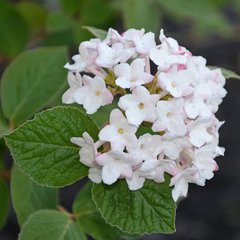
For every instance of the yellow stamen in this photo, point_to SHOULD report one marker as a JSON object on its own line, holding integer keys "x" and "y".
{"x": 98, "y": 92}
{"x": 120, "y": 131}
{"x": 141, "y": 105}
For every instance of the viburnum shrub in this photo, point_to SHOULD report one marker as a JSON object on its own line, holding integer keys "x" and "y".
{"x": 160, "y": 135}
{"x": 176, "y": 99}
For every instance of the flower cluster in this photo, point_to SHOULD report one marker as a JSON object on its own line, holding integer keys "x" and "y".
{"x": 162, "y": 88}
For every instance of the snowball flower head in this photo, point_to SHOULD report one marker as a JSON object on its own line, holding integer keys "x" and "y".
{"x": 161, "y": 121}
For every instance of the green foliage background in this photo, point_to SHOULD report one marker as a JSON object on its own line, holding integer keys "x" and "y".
{"x": 28, "y": 24}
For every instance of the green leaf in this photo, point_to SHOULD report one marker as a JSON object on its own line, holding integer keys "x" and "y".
{"x": 230, "y": 74}
{"x": 99, "y": 33}
{"x": 71, "y": 6}
{"x": 236, "y": 5}
{"x": 90, "y": 220}
{"x": 211, "y": 22}
{"x": 3, "y": 125}
{"x": 141, "y": 14}
{"x": 2, "y": 164}
{"x": 42, "y": 147}
{"x": 30, "y": 82}
{"x": 150, "y": 209}
{"x": 58, "y": 39}
{"x": 97, "y": 13}
{"x": 33, "y": 13}
{"x": 50, "y": 225}
{"x": 28, "y": 197}
{"x": 4, "y": 202}
{"x": 14, "y": 30}
{"x": 227, "y": 73}
{"x": 2, "y": 153}
{"x": 58, "y": 22}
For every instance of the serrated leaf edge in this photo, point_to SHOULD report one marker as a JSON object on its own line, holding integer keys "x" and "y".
{"x": 135, "y": 232}
{"x": 32, "y": 120}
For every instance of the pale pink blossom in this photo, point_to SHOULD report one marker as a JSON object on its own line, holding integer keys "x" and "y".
{"x": 139, "y": 106}
{"x": 148, "y": 147}
{"x": 155, "y": 169}
{"x": 177, "y": 83}
{"x": 142, "y": 41}
{"x": 133, "y": 75}
{"x": 136, "y": 181}
{"x": 199, "y": 132}
{"x": 173, "y": 145}
{"x": 119, "y": 132}
{"x": 168, "y": 53}
{"x": 74, "y": 82}
{"x": 85, "y": 58}
{"x": 116, "y": 164}
{"x": 88, "y": 153}
{"x": 170, "y": 117}
{"x": 93, "y": 94}
{"x": 181, "y": 182}
{"x": 110, "y": 56}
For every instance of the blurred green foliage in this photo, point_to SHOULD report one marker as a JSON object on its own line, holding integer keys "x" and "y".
{"x": 31, "y": 23}
{"x": 141, "y": 14}
{"x": 4, "y": 202}
{"x": 14, "y": 30}
{"x": 205, "y": 16}
{"x": 34, "y": 15}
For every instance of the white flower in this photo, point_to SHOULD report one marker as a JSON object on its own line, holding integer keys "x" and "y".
{"x": 78, "y": 65}
{"x": 181, "y": 181}
{"x": 178, "y": 83}
{"x": 116, "y": 164}
{"x": 168, "y": 53}
{"x": 164, "y": 60}
{"x": 95, "y": 174}
{"x": 142, "y": 42}
{"x": 136, "y": 181}
{"x": 173, "y": 45}
{"x": 197, "y": 107}
{"x": 119, "y": 133}
{"x": 199, "y": 62}
{"x": 218, "y": 92}
{"x": 110, "y": 56}
{"x": 170, "y": 117}
{"x": 74, "y": 82}
{"x": 113, "y": 37}
{"x": 133, "y": 75}
{"x": 208, "y": 91}
{"x": 198, "y": 132}
{"x": 86, "y": 57}
{"x": 88, "y": 154}
{"x": 93, "y": 94}
{"x": 139, "y": 106}
{"x": 155, "y": 168}
{"x": 173, "y": 145}
{"x": 148, "y": 147}
{"x": 203, "y": 159}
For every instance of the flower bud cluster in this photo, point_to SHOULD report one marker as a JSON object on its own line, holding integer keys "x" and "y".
{"x": 159, "y": 87}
